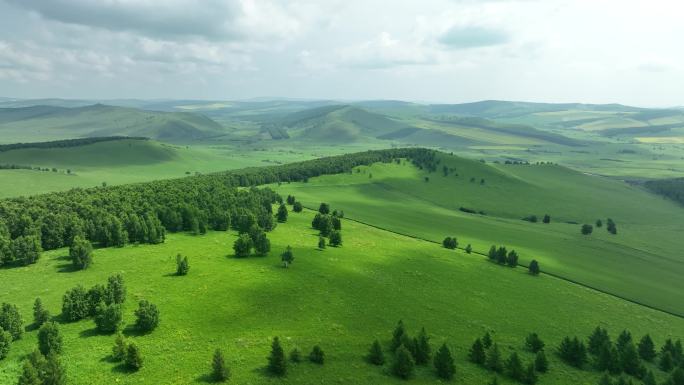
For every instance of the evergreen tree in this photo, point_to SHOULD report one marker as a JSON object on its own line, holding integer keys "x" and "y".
{"x": 317, "y": 355}
{"x": 487, "y": 340}
{"x": 605, "y": 380}
{"x": 49, "y": 339}
{"x": 608, "y": 359}
{"x": 26, "y": 249}
{"x": 375, "y": 354}
{"x": 262, "y": 245}
{"x": 5, "y": 343}
{"x": 494, "y": 381}
{"x": 108, "y": 318}
{"x": 512, "y": 259}
{"x": 624, "y": 339}
{"x": 277, "y": 365}
{"x": 529, "y": 376}
{"x": 629, "y": 360}
{"x": 649, "y": 378}
{"x": 38, "y": 361}
{"x": 492, "y": 253}
{"x": 597, "y": 340}
{"x": 469, "y": 249}
{"x": 75, "y": 304}
{"x": 533, "y": 343}
{"x": 182, "y": 265}
{"x": 666, "y": 363}
{"x": 573, "y": 352}
{"x": 219, "y": 371}
{"x": 30, "y": 375}
{"x": 403, "y": 365}
{"x": 324, "y": 208}
{"x": 321, "y": 243}
{"x": 290, "y": 200}
{"x": 444, "y": 363}
{"x": 534, "y": 267}
{"x": 611, "y": 227}
{"x": 94, "y": 297}
{"x": 134, "y": 359}
{"x": 422, "y": 348}
{"x": 541, "y": 364}
{"x": 281, "y": 215}
{"x": 599, "y": 223}
{"x": 116, "y": 290}
{"x": 501, "y": 254}
{"x": 397, "y": 335}
{"x": 11, "y": 321}
{"x": 450, "y": 243}
{"x": 547, "y": 218}
{"x": 336, "y": 223}
{"x": 243, "y": 246}
{"x": 147, "y": 316}
{"x": 297, "y": 207}
{"x": 493, "y": 359}
{"x": 295, "y": 356}
{"x": 40, "y": 314}
{"x": 81, "y": 253}
{"x": 335, "y": 238}
{"x": 586, "y": 229}
{"x": 287, "y": 257}
{"x": 514, "y": 368}
{"x": 54, "y": 373}
{"x": 120, "y": 348}
{"x": 677, "y": 377}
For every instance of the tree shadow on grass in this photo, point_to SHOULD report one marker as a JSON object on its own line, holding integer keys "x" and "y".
{"x": 132, "y": 331}
{"x": 110, "y": 359}
{"x": 122, "y": 368}
{"x": 206, "y": 379}
{"x": 90, "y": 333}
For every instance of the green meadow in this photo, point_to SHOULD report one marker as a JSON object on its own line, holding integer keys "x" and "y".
{"x": 341, "y": 298}
{"x": 640, "y": 263}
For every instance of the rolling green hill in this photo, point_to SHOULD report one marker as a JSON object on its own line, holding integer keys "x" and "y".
{"x": 341, "y": 298}
{"x": 39, "y": 123}
{"x": 642, "y": 262}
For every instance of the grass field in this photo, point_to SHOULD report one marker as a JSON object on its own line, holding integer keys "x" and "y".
{"x": 641, "y": 263}
{"x": 341, "y": 298}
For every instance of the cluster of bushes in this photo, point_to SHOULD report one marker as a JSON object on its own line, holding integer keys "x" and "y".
{"x": 471, "y": 211}
{"x": 329, "y": 225}
{"x": 503, "y": 257}
{"x": 127, "y": 352}
{"x": 450, "y": 243}
{"x": 587, "y": 229}
{"x": 533, "y": 218}
{"x": 278, "y": 363}
{"x": 671, "y": 188}
{"x": 296, "y": 205}
{"x": 486, "y": 353}
{"x": 252, "y": 241}
{"x": 624, "y": 356}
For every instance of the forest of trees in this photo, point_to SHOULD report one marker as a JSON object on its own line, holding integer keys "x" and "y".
{"x": 671, "y": 188}
{"x": 66, "y": 142}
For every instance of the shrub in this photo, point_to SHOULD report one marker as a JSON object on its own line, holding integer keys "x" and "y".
{"x": 40, "y": 314}
{"x": 133, "y": 359}
{"x": 182, "y": 265}
{"x": 403, "y": 363}
{"x": 120, "y": 348}
{"x": 317, "y": 355}
{"x": 5, "y": 343}
{"x": 219, "y": 371}
{"x": 444, "y": 363}
{"x": 49, "y": 339}
{"x": 277, "y": 365}
{"x": 108, "y": 317}
{"x": 375, "y": 354}
{"x": 147, "y": 316}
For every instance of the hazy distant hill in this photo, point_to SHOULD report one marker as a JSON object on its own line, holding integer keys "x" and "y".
{"x": 503, "y": 109}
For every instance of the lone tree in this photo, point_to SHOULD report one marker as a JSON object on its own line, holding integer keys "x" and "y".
{"x": 469, "y": 249}
{"x": 49, "y": 339}
{"x": 277, "y": 365}
{"x": 547, "y": 219}
{"x": 403, "y": 363}
{"x": 587, "y": 229}
{"x": 147, "y": 316}
{"x": 317, "y": 355}
{"x": 281, "y": 215}
{"x": 219, "y": 371}
{"x": 287, "y": 257}
{"x": 243, "y": 246}
{"x": 40, "y": 314}
{"x": 81, "y": 253}
{"x": 335, "y": 238}
{"x": 375, "y": 354}
{"x": 534, "y": 267}
{"x": 477, "y": 353}
{"x": 182, "y": 265}
{"x": 444, "y": 363}
{"x": 297, "y": 207}
{"x": 133, "y": 357}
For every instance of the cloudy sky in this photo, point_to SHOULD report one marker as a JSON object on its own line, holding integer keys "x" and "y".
{"x": 598, "y": 51}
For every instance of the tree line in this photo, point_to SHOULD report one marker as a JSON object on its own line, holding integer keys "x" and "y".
{"x": 64, "y": 143}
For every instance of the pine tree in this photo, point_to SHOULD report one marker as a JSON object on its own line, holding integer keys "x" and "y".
{"x": 321, "y": 243}
{"x": 29, "y": 375}
{"x": 397, "y": 334}
{"x": 147, "y": 316}
{"x": 529, "y": 376}
{"x": 493, "y": 359}
{"x": 629, "y": 360}
{"x": 649, "y": 378}
{"x": 422, "y": 348}
{"x": 514, "y": 367}
{"x": 487, "y": 340}
{"x": 666, "y": 363}
{"x": 182, "y": 265}
{"x": 533, "y": 343}
{"x": 324, "y": 208}
{"x": 512, "y": 259}
{"x": 317, "y": 355}
{"x": 133, "y": 358}
{"x": 492, "y": 253}
{"x": 547, "y": 218}
{"x": 573, "y": 352}
{"x": 403, "y": 363}
{"x": 534, "y": 267}
{"x": 120, "y": 348}
{"x": 608, "y": 359}
{"x": 277, "y": 365}
{"x": 54, "y": 373}
{"x": 469, "y": 249}
{"x": 647, "y": 348}
{"x": 335, "y": 238}
{"x": 49, "y": 339}
{"x": 605, "y": 380}
{"x": 375, "y": 354}
{"x": 287, "y": 257}
{"x": 11, "y": 321}
{"x": 598, "y": 338}
{"x": 281, "y": 215}
{"x": 297, "y": 207}
{"x": 444, "y": 363}
{"x": 5, "y": 343}
{"x": 624, "y": 339}
{"x": 541, "y": 364}
{"x": 295, "y": 356}
{"x": 108, "y": 318}
{"x": 40, "y": 314}
{"x": 219, "y": 371}
{"x": 243, "y": 246}
{"x": 116, "y": 289}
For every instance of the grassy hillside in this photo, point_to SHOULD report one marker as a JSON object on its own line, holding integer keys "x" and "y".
{"x": 40, "y": 123}
{"x": 341, "y": 298}
{"x": 642, "y": 262}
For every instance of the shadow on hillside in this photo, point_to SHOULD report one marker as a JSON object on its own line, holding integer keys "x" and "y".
{"x": 67, "y": 266}
{"x": 132, "y": 331}
{"x": 205, "y": 379}
{"x": 122, "y": 368}
{"x": 90, "y": 333}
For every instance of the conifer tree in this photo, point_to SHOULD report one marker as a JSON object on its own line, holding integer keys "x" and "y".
{"x": 219, "y": 371}
{"x": 29, "y": 375}
{"x": 5, "y": 343}
{"x": 147, "y": 316}
{"x": 295, "y": 356}
{"x": 281, "y": 215}
{"x": 492, "y": 253}
{"x": 512, "y": 259}
{"x": 54, "y": 373}
{"x": 11, "y": 321}
{"x": 321, "y": 243}
{"x": 277, "y": 365}
{"x": 182, "y": 265}
{"x": 108, "y": 318}
{"x": 469, "y": 249}
{"x": 608, "y": 359}
{"x": 40, "y": 314}
{"x": 116, "y": 289}
{"x": 397, "y": 335}
{"x": 493, "y": 359}
{"x": 533, "y": 343}
{"x": 297, "y": 207}
{"x": 324, "y": 208}
{"x": 81, "y": 253}
{"x": 647, "y": 348}
{"x": 317, "y": 355}
{"x": 529, "y": 376}
{"x": 133, "y": 357}
{"x": 666, "y": 363}
{"x": 514, "y": 368}
{"x": 49, "y": 339}
{"x": 403, "y": 363}
{"x": 335, "y": 238}
{"x": 243, "y": 246}
{"x": 598, "y": 338}
{"x": 534, "y": 267}
{"x": 487, "y": 340}
{"x": 629, "y": 360}
{"x": 120, "y": 348}
{"x": 605, "y": 380}
{"x": 541, "y": 364}
{"x": 444, "y": 363}
{"x": 375, "y": 354}
{"x": 649, "y": 378}
{"x": 422, "y": 348}
{"x": 287, "y": 257}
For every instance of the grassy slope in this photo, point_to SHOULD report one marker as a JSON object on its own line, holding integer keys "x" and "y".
{"x": 641, "y": 263}
{"x": 341, "y": 298}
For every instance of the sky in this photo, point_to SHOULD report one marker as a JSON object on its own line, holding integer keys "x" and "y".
{"x": 448, "y": 51}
